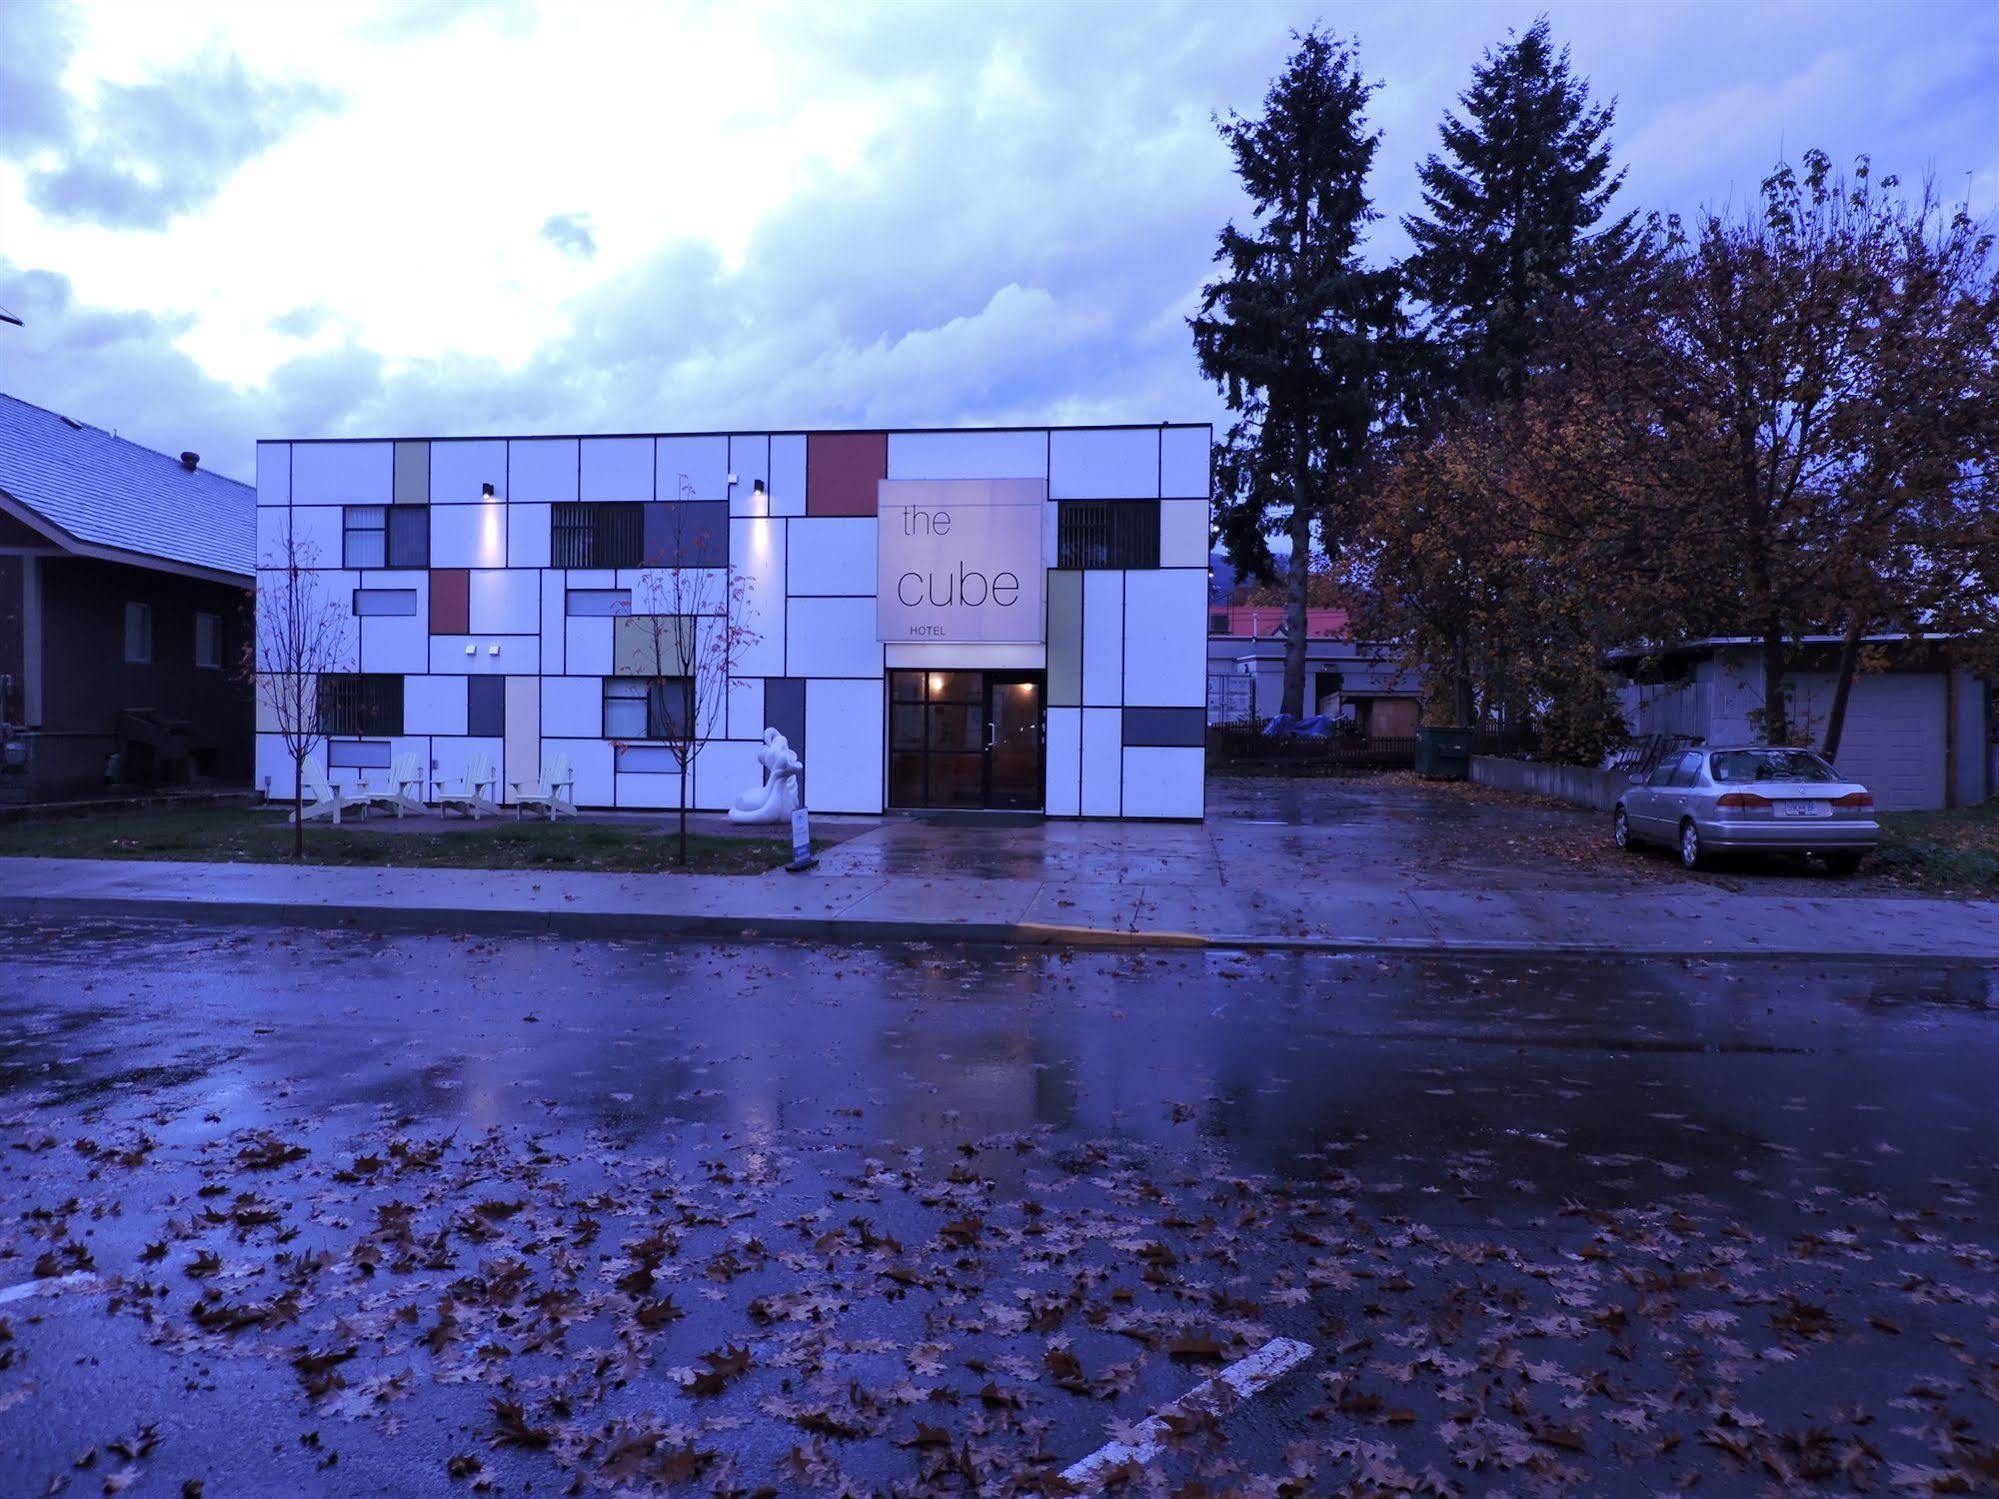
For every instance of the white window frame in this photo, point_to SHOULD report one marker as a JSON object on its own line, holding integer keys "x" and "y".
{"x": 139, "y": 621}
{"x": 214, "y": 640}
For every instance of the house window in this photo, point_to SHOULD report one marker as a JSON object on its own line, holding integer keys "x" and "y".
{"x": 594, "y": 535}
{"x": 385, "y": 601}
{"x": 139, "y": 633}
{"x": 208, "y": 640}
{"x": 1106, "y": 533}
{"x": 1218, "y": 621}
{"x": 360, "y": 703}
{"x": 600, "y": 601}
{"x": 385, "y": 536}
{"x": 648, "y": 707}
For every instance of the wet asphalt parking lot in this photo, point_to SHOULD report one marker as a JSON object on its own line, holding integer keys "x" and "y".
{"x": 304, "y": 1212}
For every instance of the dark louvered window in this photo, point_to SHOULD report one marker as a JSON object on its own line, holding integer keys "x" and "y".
{"x": 593, "y": 535}
{"x": 1107, "y": 533}
{"x": 360, "y": 703}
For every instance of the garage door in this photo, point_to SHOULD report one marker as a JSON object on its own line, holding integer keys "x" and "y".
{"x": 1894, "y": 740}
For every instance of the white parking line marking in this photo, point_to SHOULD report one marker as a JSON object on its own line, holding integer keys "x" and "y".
{"x": 1245, "y": 1377}
{"x": 29, "y": 1288}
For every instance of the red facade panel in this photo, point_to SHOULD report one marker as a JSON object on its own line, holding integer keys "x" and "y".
{"x": 842, "y": 470}
{"x": 450, "y": 601}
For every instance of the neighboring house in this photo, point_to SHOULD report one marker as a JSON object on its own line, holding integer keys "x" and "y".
{"x": 125, "y": 580}
{"x": 998, "y": 618}
{"x": 1343, "y": 678}
{"x": 1922, "y": 733}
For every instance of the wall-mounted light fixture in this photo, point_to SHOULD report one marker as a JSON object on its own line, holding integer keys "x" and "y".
{"x": 758, "y": 488}
{"x": 493, "y": 649}
{"x": 486, "y": 490}
{"x": 470, "y": 648}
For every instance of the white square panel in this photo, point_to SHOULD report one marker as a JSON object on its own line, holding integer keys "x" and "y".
{"x": 833, "y": 638}
{"x": 459, "y": 469}
{"x": 434, "y": 705}
{"x": 343, "y": 473}
{"x": 617, "y": 468}
{"x": 1166, "y": 639}
{"x": 1064, "y": 736}
{"x": 572, "y": 705}
{"x": 703, "y": 462}
{"x": 1183, "y": 533}
{"x": 1104, "y": 464}
{"x": 1161, "y": 782}
{"x": 1104, "y": 638}
{"x": 541, "y": 468}
{"x": 527, "y": 535}
{"x": 844, "y": 767}
{"x": 1183, "y": 463}
{"x": 787, "y": 475}
{"x": 505, "y": 601}
{"x": 968, "y": 455}
{"x": 831, "y": 556}
{"x": 274, "y": 473}
{"x": 1103, "y": 761}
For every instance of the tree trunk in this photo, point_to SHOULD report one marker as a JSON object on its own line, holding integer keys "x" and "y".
{"x": 1462, "y": 696}
{"x": 1298, "y": 584}
{"x": 298, "y": 811}
{"x": 1776, "y": 724}
{"x": 1849, "y": 663}
{"x": 686, "y": 769}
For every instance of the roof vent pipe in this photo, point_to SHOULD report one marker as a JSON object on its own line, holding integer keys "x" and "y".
{"x": 190, "y": 461}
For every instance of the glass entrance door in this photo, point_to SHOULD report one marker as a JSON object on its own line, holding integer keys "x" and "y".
{"x": 965, "y": 739}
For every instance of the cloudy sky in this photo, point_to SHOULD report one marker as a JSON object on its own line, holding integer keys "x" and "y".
{"x": 222, "y": 221}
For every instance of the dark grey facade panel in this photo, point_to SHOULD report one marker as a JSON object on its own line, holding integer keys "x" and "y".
{"x": 784, "y": 710}
{"x": 687, "y": 533}
{"x": 1065, "y": 639}
{"x": 486, "y": 706}
{"x": 1165, "y": 728}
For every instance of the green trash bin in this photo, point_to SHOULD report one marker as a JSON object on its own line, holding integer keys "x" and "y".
{"x": 1444, "y": 754}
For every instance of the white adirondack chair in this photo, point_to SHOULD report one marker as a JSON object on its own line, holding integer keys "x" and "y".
{"x": 321, "y": 799}
{"x": 474, "y": 796}
{"x": 556, "y": 795}
{"x": 402, "y": 792}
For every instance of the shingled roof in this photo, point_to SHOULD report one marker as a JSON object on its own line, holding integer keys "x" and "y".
{"x": 101, "y": 496}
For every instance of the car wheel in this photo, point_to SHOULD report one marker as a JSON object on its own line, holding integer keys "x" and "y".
{"x": 1691, "y": 853}
{"x": 1842, "y": 864}
{"x": 1620, "y": 829}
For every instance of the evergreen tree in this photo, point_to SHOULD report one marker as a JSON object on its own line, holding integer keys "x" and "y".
{"x": 1514, "y": 200}
{"x": 1298, "y": 332}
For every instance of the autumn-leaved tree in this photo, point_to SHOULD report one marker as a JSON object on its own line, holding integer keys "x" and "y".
{"x": 686, "y": 634}
{"x": 1298, "y": 331}
{"x": 302, "y": 633}
{"x": 1805, "y": 394}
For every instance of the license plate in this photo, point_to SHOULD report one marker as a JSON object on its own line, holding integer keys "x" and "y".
{"x": 1804, "y": 809}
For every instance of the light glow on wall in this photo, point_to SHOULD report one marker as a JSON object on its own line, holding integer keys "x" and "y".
{"x": 492, "y": 528}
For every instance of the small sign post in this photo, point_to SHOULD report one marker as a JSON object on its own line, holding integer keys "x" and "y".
{"x": 801, "y": 843}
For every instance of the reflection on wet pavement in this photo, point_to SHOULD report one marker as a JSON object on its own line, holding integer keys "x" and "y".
{"x": 1141, "y": 1153}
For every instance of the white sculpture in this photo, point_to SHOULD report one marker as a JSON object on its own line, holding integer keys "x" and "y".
{"x": 777, "y": 798}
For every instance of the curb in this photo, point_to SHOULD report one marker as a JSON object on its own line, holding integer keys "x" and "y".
{"x": 454, "y": 921}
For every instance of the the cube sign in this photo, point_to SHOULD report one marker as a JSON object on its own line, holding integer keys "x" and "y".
{"x": 961, "y": 560}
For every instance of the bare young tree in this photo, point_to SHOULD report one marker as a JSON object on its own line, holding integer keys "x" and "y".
{"x": 301, "y": 635}
{"x": 688, "y": 625}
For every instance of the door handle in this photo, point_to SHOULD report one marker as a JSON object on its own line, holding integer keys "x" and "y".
{"x": 992, "y": 734}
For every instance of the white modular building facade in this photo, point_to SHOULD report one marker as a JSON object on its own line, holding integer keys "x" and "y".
{"x": 942, "y": 618}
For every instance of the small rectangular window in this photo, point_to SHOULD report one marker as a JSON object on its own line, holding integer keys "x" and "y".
{"x": 358, "y": 754}
{"x": 648, "y": 707}
{"x": 1107, "y": 534}
{"x": 409, "y": 536}
{"x": 385, "y": 601}
{"x": 208, "y": 640}
{"x": 139, "y": 633}
{"x": 600, "y": 601}
{"x": 360, "y": 703}
{"x": 364, "y": 536}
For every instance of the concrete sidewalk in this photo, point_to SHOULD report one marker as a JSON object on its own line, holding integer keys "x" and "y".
{"x": 1357, "y": 915}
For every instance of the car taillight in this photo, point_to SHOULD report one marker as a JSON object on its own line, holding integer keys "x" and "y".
{"x": 1854, "y": 799}
{"x": 1744, "y": 799}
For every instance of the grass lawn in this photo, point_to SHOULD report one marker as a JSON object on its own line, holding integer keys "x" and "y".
{"x": 1958, "y": 849}
{"x": 239, "y": 835}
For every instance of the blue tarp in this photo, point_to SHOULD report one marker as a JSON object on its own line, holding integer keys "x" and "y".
{"x": 1318, "y": 726}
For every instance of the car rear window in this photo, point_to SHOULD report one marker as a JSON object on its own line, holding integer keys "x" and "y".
{"x": 1769, "y": 765}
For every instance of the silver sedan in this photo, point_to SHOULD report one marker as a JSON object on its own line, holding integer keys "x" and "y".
{"x": 1749, "y": 799}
